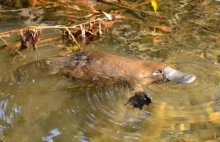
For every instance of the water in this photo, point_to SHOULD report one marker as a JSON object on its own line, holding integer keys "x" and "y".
{"x": 42, "y": 107}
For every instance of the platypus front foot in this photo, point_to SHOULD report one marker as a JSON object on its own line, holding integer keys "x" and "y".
{"x": 139, "y": 100}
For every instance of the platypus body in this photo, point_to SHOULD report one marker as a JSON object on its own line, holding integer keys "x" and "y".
{"x": 101, "y": 65}
{"x": 108, "y": 66}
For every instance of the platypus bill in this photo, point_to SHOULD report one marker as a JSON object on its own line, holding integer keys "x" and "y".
{"x": 103, "y": 65}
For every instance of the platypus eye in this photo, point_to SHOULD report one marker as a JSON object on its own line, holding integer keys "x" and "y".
{"x": 158, "y": 72}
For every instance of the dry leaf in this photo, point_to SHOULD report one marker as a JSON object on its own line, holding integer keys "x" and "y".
{"x": 108, "y": 16}
{"x": 82, "y": 27}
{"x": 120, "y": 17}
{"x": 92, "y": 18}
{"x": 107, "y": 24}
{"x": 76, "y": 8}
{"x": 100, "y": 27}
{"x": 156, "y": 40}
{"x": 163, "y": 28}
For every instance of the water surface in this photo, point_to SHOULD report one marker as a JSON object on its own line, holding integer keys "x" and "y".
{"x": 42, "y": 107}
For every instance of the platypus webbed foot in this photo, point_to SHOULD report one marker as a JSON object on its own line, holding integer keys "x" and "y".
{"x": 139, "y": 100}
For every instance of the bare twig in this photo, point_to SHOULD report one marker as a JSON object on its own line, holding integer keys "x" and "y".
{"x": 100, "y": 27}
{"x": 51, "y": 27}
{"x": 18, "y": 44}
{"x": 73, "y": 38}
{"x": 83, "y": 34}
{"x": 19, "y": 53}
{"x": 3, "y": 40}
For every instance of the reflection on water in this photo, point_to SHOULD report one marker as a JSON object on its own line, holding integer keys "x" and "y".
{"x": 35, "y": 106}
{"x": 53, "y": 133}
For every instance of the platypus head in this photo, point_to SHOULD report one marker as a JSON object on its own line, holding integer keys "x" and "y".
{"x": 160, "y": 72}
{"x": 170, "y": 74}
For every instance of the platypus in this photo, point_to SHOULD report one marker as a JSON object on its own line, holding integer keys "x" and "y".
{"x": 108, "y": 66}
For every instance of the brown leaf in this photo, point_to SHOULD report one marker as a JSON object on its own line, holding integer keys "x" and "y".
{"x": 100, "y": 27}
{"x": 92, "y": 18}
{"x": 107, "y": 24}
{"x": 120, "y": 17}
{"x": 108, "y": 16}
{"x": 83, "y": 32}
{"x": 163, "y": 28}
{"x": 156, "y": 40}
{"x": 76, "y": 7}
{"x": 90, "y": 26}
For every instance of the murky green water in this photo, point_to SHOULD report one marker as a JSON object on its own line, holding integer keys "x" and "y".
{"x": 42, "y": 107}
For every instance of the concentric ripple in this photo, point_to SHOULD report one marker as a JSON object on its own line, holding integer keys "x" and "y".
{"x": 105, "y": 112}
{"x": 94, "y": 110}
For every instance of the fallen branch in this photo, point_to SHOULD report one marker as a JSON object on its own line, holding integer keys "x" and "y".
{"x": 3, "y": 40}
{"x": 18, "y": 44}
{"x": 71, "y": 35}
{"x": 50, "y": 27}
{"x": 30, "y": 35}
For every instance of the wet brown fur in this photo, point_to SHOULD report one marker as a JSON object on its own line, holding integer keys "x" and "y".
{"x": 102, "y": 65}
